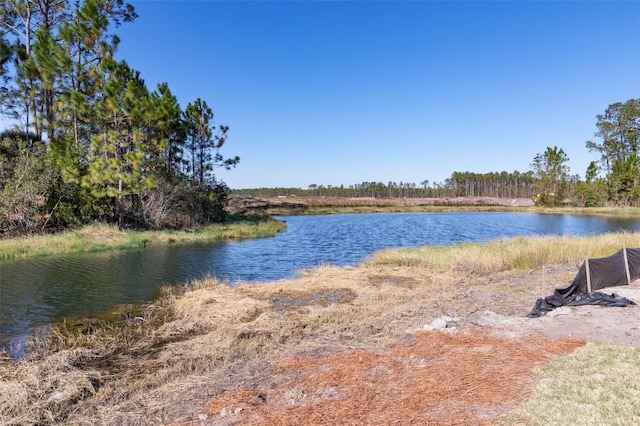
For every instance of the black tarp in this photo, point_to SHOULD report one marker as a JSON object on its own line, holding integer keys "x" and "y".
{"x": 604, "y": 272}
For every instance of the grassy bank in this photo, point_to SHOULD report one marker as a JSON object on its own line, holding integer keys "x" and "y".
{"x": 507, "y": 254}
{"x": 107, "y": 237}
{"x": 333, "y": 340}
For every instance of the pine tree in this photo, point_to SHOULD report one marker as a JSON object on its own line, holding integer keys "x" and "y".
{"x": 118, "y": 161}
{"x": 204, "y": 141}
{"x": 619, "y": 131}
{"x": 552, "y": 173}
{"x": 166, "y": 131}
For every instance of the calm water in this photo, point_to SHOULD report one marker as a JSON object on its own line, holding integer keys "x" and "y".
{"x": 34, "y": 292}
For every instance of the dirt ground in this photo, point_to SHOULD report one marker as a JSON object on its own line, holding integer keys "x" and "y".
{"x": 471, "y": 368}
{"x": 591, "y": 323}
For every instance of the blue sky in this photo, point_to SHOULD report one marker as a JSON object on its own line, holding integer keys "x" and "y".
{"x": 333, "y": 92}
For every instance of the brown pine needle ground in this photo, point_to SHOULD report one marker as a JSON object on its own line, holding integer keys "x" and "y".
{"x": 439, "y": 378}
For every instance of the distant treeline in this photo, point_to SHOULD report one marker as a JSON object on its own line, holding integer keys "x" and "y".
{"x": 501, "y": 185}
{"x": 573, "y": 191}
{"x": 612, "y": 180}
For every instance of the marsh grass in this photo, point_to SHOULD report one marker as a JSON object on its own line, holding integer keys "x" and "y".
{"x": 68, "y": 365}
{"x": 507, "y": 254}
{"x": 597, "y": 384}
{"x": 101, "y": 237}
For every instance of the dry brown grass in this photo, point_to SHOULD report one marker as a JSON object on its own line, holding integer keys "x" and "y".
{"x": 99, "y": 237}
{"x": 327, "y": 205}
{"x": 507, "y": 254}
{"x": 160, "y": 365}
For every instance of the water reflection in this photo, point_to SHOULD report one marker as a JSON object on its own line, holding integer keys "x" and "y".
{"x": 37, "y": 291}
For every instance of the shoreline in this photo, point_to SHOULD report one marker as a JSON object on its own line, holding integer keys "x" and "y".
{"x": 283, "y": 206}
{"x": 259, "y": 227}
{"x": 101, "y": 237}
{"x": 205, "y": 349}
{"x": 253, "y": 218}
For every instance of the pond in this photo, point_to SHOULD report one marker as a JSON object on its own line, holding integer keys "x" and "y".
{"x": 35, "y": 292}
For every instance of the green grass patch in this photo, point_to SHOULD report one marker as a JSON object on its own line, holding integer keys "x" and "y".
{"x": 596, "y": 385}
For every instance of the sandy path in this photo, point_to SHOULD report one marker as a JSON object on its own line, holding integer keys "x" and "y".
{"x": 607, "y": 324}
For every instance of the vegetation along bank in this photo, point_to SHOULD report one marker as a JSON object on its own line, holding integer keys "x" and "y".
{"x": 100, "y": 237}
{"x": 348, "y": 345}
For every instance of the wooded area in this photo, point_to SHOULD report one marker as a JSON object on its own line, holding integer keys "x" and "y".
{"x": 89, "y": 141}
